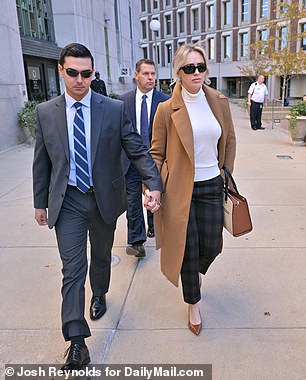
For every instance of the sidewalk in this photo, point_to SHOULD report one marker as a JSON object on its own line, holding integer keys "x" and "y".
{"x": 253, "y": 297}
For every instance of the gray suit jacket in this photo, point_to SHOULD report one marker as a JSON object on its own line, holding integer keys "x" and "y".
{"x": 110, "y": 132}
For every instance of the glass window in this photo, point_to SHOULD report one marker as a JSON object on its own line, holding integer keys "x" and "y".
{"x": 181, "y": 20}
{"x": 244, "y": 10}
{"x": 169, "y": 53}
{"x": 211, "y": 16}
{"x": 244, "y": 42}
{"x": 303, "y": 40}
{"x": 168, "y": 3}
{"x": 144, "y": 29}
{"x": 263, "y": 36}
{"x": 211, "y": 48}
{"x": 227, "y": 46}
{"x": 227, "y": 12}
{"x": 264, "y": 7}
{"x": 168, "y": 25}
{"x": 155, "y": 4}
{"x": 145, "y": 52}
{"x": 283, "y": 37}
{"x": 143, "y": 5}
{"x": 195, "y": 19}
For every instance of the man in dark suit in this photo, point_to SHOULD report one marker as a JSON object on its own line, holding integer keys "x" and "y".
{"x": 140, "y": 105}
{"x": 77, "y": 176}
{"x": 98, "y": 84}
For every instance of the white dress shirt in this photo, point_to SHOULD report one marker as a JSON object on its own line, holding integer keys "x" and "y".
{"x": 70, "y": 113}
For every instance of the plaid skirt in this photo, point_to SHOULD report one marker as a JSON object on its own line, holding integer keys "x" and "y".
{"x": 204, "y": 235}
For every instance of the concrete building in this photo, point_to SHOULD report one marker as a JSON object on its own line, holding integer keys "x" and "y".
{"x": 33, "y": 33}
{"x": 224, "y": 27}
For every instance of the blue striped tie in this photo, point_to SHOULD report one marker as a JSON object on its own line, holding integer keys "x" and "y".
{"x": 144, "y": 123}
{"x": 80, "y": 152}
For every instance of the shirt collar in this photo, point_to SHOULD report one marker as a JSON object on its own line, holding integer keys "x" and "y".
{"x": 140, "y": 94}
{"x": 85, "y": 101}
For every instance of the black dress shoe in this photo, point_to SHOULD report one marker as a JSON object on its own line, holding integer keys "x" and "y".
{"x": 150, "y": 233}
{"x": 261, "y": 128}
{"x": 136, "y": 250}
{"x": 97, "y": 307}
{"x": 77, "y": 357}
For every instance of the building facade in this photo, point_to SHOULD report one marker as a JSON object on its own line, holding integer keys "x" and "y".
{"x": 224, "y": 28}
{"x": 33, "y": 33}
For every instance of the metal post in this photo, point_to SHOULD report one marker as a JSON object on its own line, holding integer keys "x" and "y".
{"x": 156, "y": 62}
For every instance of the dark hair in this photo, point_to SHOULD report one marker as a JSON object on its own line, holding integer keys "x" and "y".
{"x": 75, "y": 50}
{"x": 145, "y": 61}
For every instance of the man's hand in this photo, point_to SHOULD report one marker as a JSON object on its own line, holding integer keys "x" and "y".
{"x": 41, "y": 217}
{"x": 152, "y": 200}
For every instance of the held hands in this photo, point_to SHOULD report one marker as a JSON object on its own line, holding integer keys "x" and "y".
{"x": 41, "y": 217}
{"x": 152, "y": 200}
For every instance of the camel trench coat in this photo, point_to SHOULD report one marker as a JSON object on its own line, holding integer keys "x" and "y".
{"x": 173, "y": 152}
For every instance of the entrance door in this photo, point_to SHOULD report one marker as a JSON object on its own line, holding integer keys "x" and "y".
{"x": 51, "y": 81}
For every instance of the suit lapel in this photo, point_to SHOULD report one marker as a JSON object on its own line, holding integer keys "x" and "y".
{"x": 96, "y": 117}
{"x": 61, "y": 123}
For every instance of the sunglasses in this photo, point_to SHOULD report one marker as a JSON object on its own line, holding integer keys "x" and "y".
{"x": 74, "y": 73}
{"x": 191, "y": 68}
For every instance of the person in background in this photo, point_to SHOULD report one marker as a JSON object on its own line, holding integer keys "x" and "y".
{"x": 140, "y": 106}
{"x": 257, "y": 98}
{"x": 98, "y": 85}
{"x": 193, "y": 139}
{"x": 77, "y": 176}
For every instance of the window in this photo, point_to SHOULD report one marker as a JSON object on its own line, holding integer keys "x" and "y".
{"x": 145, "y": 52}
{"x": 168, "y": 3}
{"x": 144, "y": 29}
{"x": 263, "y": 36}
{"x": 227, "y": 12}
{"x": 211, "y": 15}
{"x": 283, "y": 37}
{"x": 244, "y": 41}
{"x": 244, "y": 10}
{"x": 263, "y": 8}
{"x": 195, "y": 19}
{"x": 168, "y": 25}
{"x": 227, "y": 46}
{"x": 303, "y": 40}
{"x": 168, "y": 54}
{"x": 181, "y": 22}
{"x": 157, "y": 61}
{"x": 143, "y": 5}
{"x": 211, "y": 48}
{"x": 155, "y": 4}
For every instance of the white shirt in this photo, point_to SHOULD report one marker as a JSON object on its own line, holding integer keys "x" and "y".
{"x": 139, "y": 96}
{"x": 70, "y": 113}
{"x": 258, "y": 92}
{"x": 206, "y": 133}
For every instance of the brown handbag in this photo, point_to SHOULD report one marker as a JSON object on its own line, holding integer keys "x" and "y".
{"x": 237, "y": 218}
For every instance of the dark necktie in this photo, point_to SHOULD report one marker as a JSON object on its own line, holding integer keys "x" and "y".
{"x": 80, "y": 152}
{"x": 144, "y": 124}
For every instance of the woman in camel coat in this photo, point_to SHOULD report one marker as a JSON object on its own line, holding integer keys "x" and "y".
{"x": 193, "y": 139}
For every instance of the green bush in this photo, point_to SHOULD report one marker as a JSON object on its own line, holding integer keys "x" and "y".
{"x": 299, "y": 109}
{"x": 26, "y": 116}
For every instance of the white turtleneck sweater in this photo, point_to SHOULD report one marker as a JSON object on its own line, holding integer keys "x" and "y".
{"x": 206, "y": 134}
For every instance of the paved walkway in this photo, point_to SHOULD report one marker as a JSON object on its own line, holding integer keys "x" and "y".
{"x": 254, "y": 296}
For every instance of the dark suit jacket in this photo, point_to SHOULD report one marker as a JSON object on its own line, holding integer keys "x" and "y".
{"x": 98, "y": 86}
{"x": 110, "y": 132}
{"x": 130, "y": 109}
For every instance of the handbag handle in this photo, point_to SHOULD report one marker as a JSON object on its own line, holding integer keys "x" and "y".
{"x": 227, "y": 176}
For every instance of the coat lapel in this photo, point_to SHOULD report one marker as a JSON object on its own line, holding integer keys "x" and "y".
{"x": 61, "y": 123}
{"x": 181, "y": 122}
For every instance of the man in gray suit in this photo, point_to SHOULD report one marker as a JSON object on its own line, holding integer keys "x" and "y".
{"x": 77, "y": 176}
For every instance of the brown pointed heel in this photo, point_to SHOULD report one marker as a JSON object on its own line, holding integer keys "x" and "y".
{"x": 195, "y": 329}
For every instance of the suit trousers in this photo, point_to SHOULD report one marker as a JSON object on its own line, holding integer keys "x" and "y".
{"x": 134, "y": 215}
{"x": 204, "y": 235}
{"x": 255, "y": 114}
{"x": 78, "y": 218}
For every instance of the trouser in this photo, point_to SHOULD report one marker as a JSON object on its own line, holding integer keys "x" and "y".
{"x": 134, "y": 214}
{"x": 255, "y": 114}
{"x": 79, "y": 217}
{"x": 204, "y": 235}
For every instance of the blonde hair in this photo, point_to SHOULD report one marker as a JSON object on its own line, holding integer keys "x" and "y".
{"x": 180, "y": 58}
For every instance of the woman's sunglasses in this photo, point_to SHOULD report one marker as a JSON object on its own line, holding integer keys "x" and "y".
{"x": 190, "y": 69}
{"x": 74, "y": 73}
